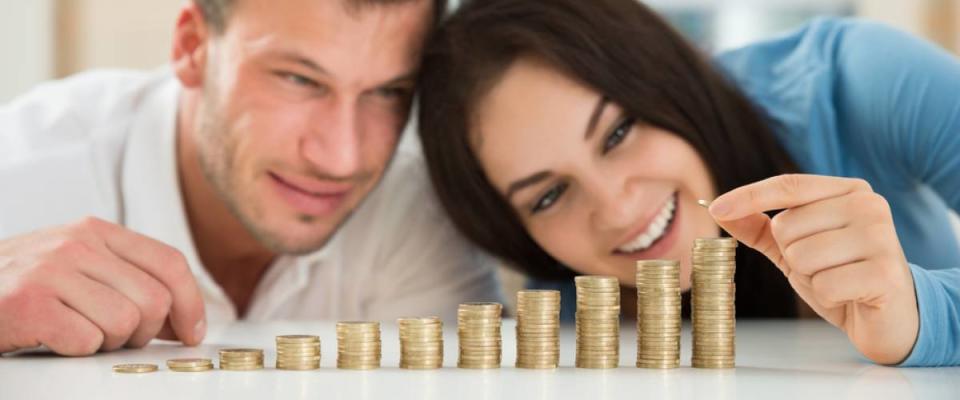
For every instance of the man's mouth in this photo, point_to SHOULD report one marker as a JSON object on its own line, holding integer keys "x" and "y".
{"x": 311, "y": 198}
{"x": 655, "y": 230}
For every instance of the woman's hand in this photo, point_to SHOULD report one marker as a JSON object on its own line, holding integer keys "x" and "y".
{"x": 835, "y": 241}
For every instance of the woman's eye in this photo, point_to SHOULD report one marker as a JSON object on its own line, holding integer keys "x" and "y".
{"x": 549, "y": 198}
{"x": 618, "y": 134}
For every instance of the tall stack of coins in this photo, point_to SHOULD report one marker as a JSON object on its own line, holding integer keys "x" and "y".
{"x": 598, "y": 322}
{"x": 658, "y": 314}
{"x": 298, "y": 352}
{"x": 421, "y": 343}
{"x": 538, "y": 329}
{"x": 241, "y": 359}
{"x": 358, "y": 345}
{"x": 478, "y": 328}
{"x": 714, "y": 311}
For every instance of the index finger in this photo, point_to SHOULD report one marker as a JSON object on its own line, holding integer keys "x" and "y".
{"x": 168, "y": 266}
{"x": 782, "y": 192}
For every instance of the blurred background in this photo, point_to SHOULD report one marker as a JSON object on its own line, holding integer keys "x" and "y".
{"x": 46, "y": 39}
{"x": 49, "y": 39}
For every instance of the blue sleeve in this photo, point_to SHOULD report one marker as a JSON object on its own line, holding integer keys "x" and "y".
{"x": 906, "y": 93}
{"x": 938, "y": 296}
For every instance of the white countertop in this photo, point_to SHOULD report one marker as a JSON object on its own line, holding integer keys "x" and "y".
{"x": 775, "y": 360}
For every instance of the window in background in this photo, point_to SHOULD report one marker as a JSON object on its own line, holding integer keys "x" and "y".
{"x": 725, "y": 24}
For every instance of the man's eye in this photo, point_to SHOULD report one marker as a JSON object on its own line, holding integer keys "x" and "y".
{"x": 394, "y": 93}
{"x": 298, "y": 80}
{"x": 618, "y": 134}
{"x": 549, "y": 198}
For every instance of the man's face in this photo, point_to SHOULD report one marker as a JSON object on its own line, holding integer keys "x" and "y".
{"x": 303, "y": 105}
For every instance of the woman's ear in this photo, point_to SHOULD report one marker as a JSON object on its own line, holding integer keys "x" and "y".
{"x": 190, "y": 40}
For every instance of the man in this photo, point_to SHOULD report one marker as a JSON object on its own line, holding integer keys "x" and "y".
{"x": 238, "y": 185}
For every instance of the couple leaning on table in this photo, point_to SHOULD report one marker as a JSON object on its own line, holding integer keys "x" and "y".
{"x": 264, "y": 175}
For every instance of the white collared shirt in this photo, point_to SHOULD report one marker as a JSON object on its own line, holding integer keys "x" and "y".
{"x": 103, "y": 144}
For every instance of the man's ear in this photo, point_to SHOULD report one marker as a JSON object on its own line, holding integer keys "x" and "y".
{"x": 190, "y": 40}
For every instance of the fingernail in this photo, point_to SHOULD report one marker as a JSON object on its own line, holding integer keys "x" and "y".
{"x": 200, "y": 330}
{"x": 719, "y": 209}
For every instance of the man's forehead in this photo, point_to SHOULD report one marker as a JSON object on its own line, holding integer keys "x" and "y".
{"x": 387, "y": 39}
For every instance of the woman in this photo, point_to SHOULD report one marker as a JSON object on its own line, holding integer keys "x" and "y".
{"x": 569, "y": 137}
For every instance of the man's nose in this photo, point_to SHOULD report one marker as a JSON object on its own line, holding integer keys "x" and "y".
{"x": 332, "y": 144}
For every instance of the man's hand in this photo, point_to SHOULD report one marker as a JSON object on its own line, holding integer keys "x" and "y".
{"x": 95, "y": 286}
{"x": 836, "y": 243}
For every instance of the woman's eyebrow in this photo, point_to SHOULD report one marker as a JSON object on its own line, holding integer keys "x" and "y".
{"x": 526, "y": 182}
{"x": 595, "y": 117}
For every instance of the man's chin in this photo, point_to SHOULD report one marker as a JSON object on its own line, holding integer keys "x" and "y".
{"x": 304, "y": 236}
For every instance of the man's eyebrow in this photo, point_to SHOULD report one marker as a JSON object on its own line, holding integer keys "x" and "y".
{"x": 405, "y": 77}
{"x": 526, "y": 182}
{"x": 595, "y": 117}
{"x": 304, "y": 61}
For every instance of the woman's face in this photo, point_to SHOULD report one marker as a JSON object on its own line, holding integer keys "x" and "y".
{"x": 595, "y": 188}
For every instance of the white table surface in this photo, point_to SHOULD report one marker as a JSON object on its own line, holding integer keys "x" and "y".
{"x": 775, "y": 360}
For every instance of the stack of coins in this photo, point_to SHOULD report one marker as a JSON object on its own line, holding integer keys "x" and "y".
{"x": 190, "y": 364}
{"x": 421, "y": 343}
{"x": 714, "y": 311}
{"x": 241, "y": 359}
{"x": 538, "y": 329}
{"x": 358, "y": 345}
{"x": 658, "y": 314}
{"x": 135, "y": 368}
{"x": 478, "y": 329}
{"x": 298, "y": 352}
{"x": 598, "y": 322}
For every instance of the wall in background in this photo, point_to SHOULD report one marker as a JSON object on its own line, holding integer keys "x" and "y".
{"x": 114, "y": 33}
{"x": 27, "y": 38}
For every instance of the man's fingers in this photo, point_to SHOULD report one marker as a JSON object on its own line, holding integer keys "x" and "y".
{"x": 68, "y": 333}
{"x": 781, "y": 192}
{"x": 151, "y": 297}
{"x": 166, "y": 332}
{"x": 110, "y": 311}
{"x": 754, "y": 231}
{"x": 169, "y": 267}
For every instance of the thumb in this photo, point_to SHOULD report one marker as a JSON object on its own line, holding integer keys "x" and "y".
{"x": 169, "y": 333}
{"x": 754, "y": 231}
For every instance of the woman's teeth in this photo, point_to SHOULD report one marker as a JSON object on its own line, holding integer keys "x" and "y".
{"x": 654, "y": 231}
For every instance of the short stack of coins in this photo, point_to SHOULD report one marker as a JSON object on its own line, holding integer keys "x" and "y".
{"x": 190, "y": 364}
{"x": 421, "y": 343}
{"x": 478, "y": 330}
{"x": 598, "y": 322}
{"x": 713, "y": 307}
{"x": 658, "y": 314}
{"x": 298, "y": 352}
{"x": 241, "y": 359}
{"x": 358, "y": 345}
{"x": 538, "y": 329}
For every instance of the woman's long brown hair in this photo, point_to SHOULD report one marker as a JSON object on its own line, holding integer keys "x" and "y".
{"x": 625, "y": 52}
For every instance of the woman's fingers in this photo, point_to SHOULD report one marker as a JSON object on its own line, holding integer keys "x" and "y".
{"x": 828, "y": 249}
{"x": 781, "y": 192}
{"x": 754, "y": 231}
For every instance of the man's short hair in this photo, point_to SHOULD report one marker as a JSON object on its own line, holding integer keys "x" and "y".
{"x": 216, "y": 12}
